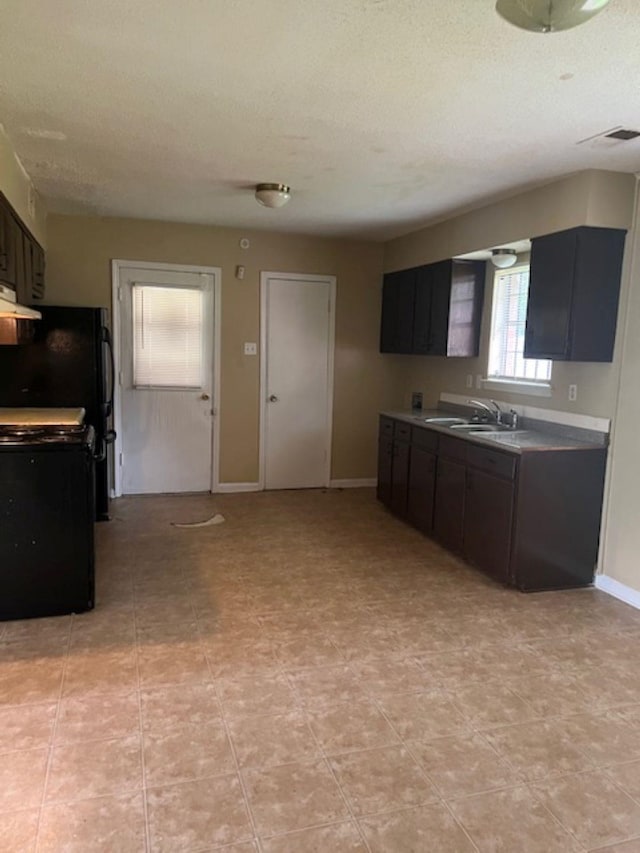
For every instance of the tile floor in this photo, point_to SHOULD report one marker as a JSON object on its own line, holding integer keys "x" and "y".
{"x": 314, "y": 676}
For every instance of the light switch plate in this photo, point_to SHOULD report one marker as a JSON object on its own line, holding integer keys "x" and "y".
{"x": 573, "y": 393}
{"x": 250, "y": 348}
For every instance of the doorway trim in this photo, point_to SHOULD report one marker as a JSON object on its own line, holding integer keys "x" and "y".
{"x": 117, "y": 265}
{"x": 264, "y": 284}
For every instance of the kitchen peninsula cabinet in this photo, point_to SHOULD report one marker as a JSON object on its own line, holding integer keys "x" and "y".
{"x": 434, "y": 309}
{"x": 574, "y": 287}
{"x": 528, "y": 518}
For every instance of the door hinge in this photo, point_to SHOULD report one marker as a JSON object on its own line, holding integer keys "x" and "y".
{"x": 120, "y": 459}
{"x": 120, "y": 294}
{"x": 119, "y": 377}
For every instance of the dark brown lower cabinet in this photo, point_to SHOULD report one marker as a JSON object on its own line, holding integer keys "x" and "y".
{"x": 400, "y": 478}
{"x": 448, "y": 515}
{"x": 385, "y": 463}
{"x": 529, "y": 520}
{"x": 422, "y": 484}
{"x": 488, "y": 519}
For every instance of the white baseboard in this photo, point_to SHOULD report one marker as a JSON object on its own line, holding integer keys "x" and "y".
{"x": 224, "y": 488}
{"x": 365, "y": 483}
{"x": 618, "y": 590}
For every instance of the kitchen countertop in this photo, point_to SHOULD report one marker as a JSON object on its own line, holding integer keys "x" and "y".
{"x": 517, "y": 441}
{"x": 49, "y": 416}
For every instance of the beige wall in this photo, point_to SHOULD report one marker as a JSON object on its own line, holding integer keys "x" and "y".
{"x": 15, "y": 184}
{"x": 621, "y": 546}
{"x": 587, "y": 198}
{"x": 79, "y": 272}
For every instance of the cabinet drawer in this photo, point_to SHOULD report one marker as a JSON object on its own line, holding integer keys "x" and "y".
{"x": 424, "y": 438}
{"x": 386, "y": 427}
{"x": 454, "y": 448}
{"x": 402, "y": 431}
{"x": 492, "y": 461}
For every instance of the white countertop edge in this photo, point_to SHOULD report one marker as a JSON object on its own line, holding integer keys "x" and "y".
{"x": 551, "y": 415}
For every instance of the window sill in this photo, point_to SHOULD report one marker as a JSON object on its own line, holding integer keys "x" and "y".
{"x": 513, "y": 386}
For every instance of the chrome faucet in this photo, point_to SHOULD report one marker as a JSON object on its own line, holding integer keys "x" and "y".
{"x": 495, "y": 413}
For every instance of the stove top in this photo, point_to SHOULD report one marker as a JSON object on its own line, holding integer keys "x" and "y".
{"x": 49, "y": 434}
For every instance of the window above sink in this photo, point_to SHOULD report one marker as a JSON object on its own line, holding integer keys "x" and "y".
{"x": 507, "y": 364}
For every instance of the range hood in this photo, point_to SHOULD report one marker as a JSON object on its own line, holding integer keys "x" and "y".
{"x": 10, "y": 309}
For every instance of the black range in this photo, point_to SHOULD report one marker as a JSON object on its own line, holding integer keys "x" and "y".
{"x": 47, "y": 510}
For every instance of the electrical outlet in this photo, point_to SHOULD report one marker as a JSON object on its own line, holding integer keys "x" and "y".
{"x": 479, "y": 382}
{"x": 250, "y": 349}
{"x": 469, "y": 380}
{"x": 573, "y": 393}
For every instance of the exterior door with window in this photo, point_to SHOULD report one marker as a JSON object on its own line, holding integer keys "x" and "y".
{"x": 166, "y": 376}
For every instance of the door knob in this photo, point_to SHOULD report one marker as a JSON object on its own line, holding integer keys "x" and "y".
{"x": 273, "y": 399}
{"x": 204, "y": 396}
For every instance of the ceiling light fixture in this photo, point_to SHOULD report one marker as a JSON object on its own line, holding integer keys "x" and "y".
{"x": 548, "y": 16}
{"x": 503, "y": 258}
{"x": 272, "y": 195}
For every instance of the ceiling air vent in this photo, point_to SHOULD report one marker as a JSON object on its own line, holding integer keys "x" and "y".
{"x": 623, "y": 134}
{"x": 610, "y": 137}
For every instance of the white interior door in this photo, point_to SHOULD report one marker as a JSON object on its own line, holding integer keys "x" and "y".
{"x": 297, "y": 380}
{"x": 166, "y": 376}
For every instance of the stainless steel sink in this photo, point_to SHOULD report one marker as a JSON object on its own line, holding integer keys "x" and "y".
{"x": 480, "y": 427}
{"x": 444, "y": 421}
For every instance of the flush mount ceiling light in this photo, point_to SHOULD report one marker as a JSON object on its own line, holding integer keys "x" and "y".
{"x": 548, "y": 16}
{"x": 503, "y": 258}
{"x": 272, "y": 195}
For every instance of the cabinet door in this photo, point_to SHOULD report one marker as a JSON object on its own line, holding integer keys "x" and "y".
{"x": 400, "y": 478}
{"x": 594, "y": 310}
{"x": 398, "y": 295}
{"x": 422, "y": 482}
{"x": 449, "y": 508}
{"x": 548, "y": 327}
{"x": 422, "y": 310}
{"x": 440, "y": 298}
{"x": 487, "y": 523}
{"x": 9, "y": 233}
{"x": 38, "y": 263}
{"x": 24, "y": 284}
{"x": 465, "y": 308}
{"x": 385, "y": 465}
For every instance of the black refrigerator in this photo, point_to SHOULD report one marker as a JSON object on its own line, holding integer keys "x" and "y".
{"x": 69, "y": 362}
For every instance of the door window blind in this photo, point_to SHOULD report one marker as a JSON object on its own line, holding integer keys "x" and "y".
{"x": 167, "y": 337}
{"x": 506, "y": 348}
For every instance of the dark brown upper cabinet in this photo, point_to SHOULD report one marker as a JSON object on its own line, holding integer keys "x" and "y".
{"x": 398, "y": 297}
{"x": 10, "y": 244}
{"x": 22, "y": 259}
{"x": 574, "y": 287}
{"x": 434, "y": 309}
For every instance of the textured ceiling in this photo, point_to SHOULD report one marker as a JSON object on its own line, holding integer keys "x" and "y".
{"x": 380, "y": 114}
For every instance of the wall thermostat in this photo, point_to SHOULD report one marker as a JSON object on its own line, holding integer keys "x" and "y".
{"x": 244, "y": 243}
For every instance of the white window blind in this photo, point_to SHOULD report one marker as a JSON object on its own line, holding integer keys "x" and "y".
{"x": 167, "y": 337}
{"x": 506, "y": 359}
